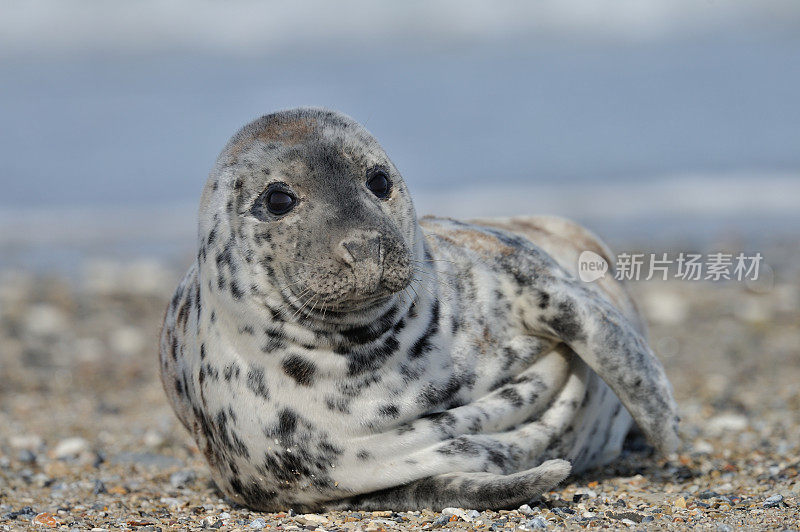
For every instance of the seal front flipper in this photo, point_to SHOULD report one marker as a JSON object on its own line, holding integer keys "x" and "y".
{"x": 463, "y": 490}
{"x": 609, "y": 343}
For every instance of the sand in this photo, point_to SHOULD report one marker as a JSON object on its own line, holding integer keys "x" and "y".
{"x": 87, "y": 439}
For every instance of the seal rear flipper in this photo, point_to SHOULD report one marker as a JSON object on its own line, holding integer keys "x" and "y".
{"x": 612, "y": 347}
{"x": 463, "y": 490}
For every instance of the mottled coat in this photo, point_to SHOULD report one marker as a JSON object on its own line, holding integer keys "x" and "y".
{"x": 345, "y": 354}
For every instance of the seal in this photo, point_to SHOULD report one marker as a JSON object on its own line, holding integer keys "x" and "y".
{"x": 328, "y": 350}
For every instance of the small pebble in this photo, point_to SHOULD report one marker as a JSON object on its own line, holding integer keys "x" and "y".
{"x": 537, "y": 523}
{"x": 258, "y": 523}
{"x": 70, "y": 448}
{"x": 773, "y": 501}
{"x": 726, "y": 423}
{"x": 181, "y": 479}
{"x": 28, "y": 442}
{"x": 99, "y": 487}
{"x": 464, "y": 515}
{"x": 25, "y": 512}
{"x": 703, "y": 447}
{"x": 441, "y": 520}
{"x": 26, "y": 456}
{"x": 313, "y": 519}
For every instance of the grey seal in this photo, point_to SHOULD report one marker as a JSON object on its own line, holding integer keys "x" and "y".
{"x": 329, "y": 350}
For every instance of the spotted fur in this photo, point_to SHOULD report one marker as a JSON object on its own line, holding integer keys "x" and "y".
{"x": 348, "y": 355}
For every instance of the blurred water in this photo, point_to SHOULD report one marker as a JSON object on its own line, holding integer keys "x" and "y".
{"x": 143, "y": 129}
{"x": 655, "y": 121}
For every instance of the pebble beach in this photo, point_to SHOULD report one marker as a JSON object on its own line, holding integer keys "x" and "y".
{"x": 88, "y": 441}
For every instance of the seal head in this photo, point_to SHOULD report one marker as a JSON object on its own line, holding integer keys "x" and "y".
{"x": 318, "y": 210}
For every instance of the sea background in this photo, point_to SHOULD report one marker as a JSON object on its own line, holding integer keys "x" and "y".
{"x": 674, "y": 122}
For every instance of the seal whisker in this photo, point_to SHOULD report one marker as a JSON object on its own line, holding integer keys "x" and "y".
{"x": 445, "y": 284}
{"x": 437, "y": 272}
{"x": 434, "y": 260}
{"x": 433, "y": 277}
{"x": 317, "y": 300}
{"x": 411, "y": 299}
{"x": 444, "y": 301}
{"x": 297, "y": 282}
{"x": 416, "y": 295}
{"x": 300, "y": 300}
{"x": 299, "y": 310}
{"x": 301, "y": 262}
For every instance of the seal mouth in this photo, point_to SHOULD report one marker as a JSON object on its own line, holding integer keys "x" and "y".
{"x": 318, "y": 304}
{"x": 316, "y": 289}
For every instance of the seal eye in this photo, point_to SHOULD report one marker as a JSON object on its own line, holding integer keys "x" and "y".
{"x": 280, "y": 202}
{"x": 275, "y": 201}
{"x": 379, "y": 184}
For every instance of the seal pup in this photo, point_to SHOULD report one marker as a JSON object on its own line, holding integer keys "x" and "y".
{"x": 327, "y": 350}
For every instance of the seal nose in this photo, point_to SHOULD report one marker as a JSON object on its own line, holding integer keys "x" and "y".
{"x": 360, "y": 248}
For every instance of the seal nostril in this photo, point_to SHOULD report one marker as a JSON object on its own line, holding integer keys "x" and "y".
{"x": 361, "y": 250}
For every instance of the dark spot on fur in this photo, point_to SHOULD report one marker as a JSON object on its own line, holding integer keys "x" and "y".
{"x": 369, "y": 359}
{"x": 497, "y": 458}
{"x": 512, "y": 396}
{"x": 363, "y": 455}
{"x": 566, "y": 323}
{"x": 338, "y": 404}
{"x": 287, "y": 424}
{"x": 433, "y": 395}
{"x": 300, "y": 369}
{"x": 256, "y": 384}
{"x": 236, "y": 292}
{"x": 460, "y": 445}
{"x": 423, "y": 344}
{"x": 389, "y": 411}
{"x": 231, "y": 371}
{"x": 544, "y": 300}
{"x": 369, "y": 333}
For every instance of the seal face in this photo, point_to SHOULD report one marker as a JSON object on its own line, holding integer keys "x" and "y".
{"x": 328, "y": 350}
{"x": 304, "y": 207}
